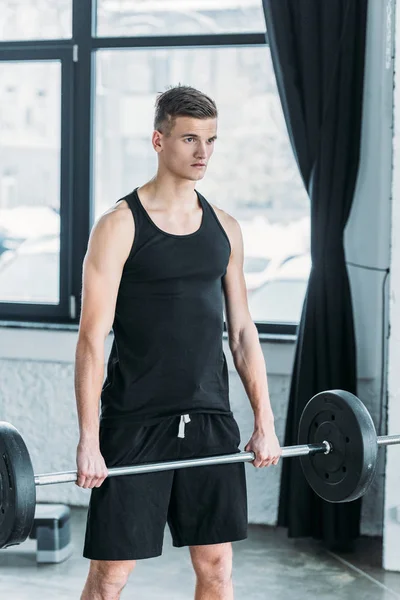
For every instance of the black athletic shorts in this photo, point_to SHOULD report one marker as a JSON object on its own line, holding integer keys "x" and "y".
{"x": 202, "y": 505}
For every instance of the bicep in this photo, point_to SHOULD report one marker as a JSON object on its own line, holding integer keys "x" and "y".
{"x": 108, "y": 249}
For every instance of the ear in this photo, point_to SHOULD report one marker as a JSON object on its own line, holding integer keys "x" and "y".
{"x": 157, "y": 139}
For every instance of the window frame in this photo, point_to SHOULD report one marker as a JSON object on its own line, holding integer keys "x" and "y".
{"x": 11, "y": 52}
{"x": 77, "y": 56}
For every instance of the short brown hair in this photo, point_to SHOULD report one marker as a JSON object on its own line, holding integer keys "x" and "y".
{"x": 182, "y": 101}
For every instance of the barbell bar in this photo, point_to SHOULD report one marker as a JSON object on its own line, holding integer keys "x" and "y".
{"x": 223, "y": 459}
{"x": 337, "y": 447}
{"x": 288, "y": 451}
{"x": 388, "y": 440}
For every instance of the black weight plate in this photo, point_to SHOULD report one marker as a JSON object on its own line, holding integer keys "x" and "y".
{"x": 341, "y": 418}
{"x": 17, "y": 488}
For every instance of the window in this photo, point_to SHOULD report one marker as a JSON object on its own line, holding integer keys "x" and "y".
{"x": 174, "y": 17}
{"x": 35, "y": 19}
{"x": 281, "y": 295}
{"x": 78, "y": 83}
{"x": 30, "y": 184}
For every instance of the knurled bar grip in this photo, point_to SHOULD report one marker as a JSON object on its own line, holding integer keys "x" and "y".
{"x": 288, "y": 451}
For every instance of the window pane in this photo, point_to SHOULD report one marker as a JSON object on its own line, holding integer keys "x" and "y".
{"x": 252, "y": 174}
{"x": 281, "y": 296}
{"x": 35, "y": 19}
{"x": 178, "y": 17}
{"x": 30, "y": 181}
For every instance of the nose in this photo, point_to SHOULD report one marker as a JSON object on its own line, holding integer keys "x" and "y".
{"x": 201, "y": 151}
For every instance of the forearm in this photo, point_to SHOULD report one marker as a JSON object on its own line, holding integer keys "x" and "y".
{"x": 89, "y": 375}
{"x": 250, "y": 365}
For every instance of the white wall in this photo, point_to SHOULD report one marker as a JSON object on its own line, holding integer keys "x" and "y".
{"x": 36, "y": 366}
{"x": 367, "y": 236}
{"x": 391, "y": 555}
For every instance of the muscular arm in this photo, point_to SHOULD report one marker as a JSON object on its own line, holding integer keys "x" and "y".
{"x": 109, "y": 245}
{"x": 243, "y": 335}
{"x": 246, "y": 350}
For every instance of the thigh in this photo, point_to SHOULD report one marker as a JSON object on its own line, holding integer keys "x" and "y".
{"x": 127, "y": 516}
{"x": 209, "y": 504}
{"x": 128, "y": 513}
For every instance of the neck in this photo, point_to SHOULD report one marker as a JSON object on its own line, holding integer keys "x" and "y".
{"x": 170, "y": 192}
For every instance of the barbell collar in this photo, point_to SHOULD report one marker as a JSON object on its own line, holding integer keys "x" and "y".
{"x": 289, "y": 451}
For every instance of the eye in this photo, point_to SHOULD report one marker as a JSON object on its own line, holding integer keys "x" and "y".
{"x": 189, "y": 138}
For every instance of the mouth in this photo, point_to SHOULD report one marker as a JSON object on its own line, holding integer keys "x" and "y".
{"x": 198, "y": 165}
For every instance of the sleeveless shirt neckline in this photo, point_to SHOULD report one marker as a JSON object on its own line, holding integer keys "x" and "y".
{"x": 176, "y": 235}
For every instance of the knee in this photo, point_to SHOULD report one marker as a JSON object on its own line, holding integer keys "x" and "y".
{"x": 109, "y": 578}
{"x": 216, "y": 569}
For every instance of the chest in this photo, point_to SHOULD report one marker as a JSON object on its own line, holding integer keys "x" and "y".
{"x": 160, "y": 258}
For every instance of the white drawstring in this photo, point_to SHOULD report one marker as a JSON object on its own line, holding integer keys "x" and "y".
{"x": 184, "y": 419}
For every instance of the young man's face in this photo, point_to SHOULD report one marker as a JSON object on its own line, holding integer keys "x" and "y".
{"x": 188, "y": 148}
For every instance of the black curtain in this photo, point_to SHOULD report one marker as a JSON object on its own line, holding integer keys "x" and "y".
{"x": 318, "y": 53}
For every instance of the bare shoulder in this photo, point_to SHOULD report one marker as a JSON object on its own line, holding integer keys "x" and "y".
{"x": 114, "y": 222}
{"x": 230, "y": 225}
{"x": 113, "y": 232}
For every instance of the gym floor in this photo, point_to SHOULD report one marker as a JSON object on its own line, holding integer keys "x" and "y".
{"x": 266, "y": 565}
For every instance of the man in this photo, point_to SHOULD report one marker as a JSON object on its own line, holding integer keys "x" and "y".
{"x": 157, "y": 267}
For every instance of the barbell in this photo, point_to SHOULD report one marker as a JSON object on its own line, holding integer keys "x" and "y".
{"x": 337, "y": 449}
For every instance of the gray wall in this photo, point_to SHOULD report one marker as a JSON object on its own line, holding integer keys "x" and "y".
{"x": 36, "y": 366}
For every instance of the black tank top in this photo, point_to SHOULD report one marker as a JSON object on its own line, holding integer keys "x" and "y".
{"x": 167, "y": 356}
